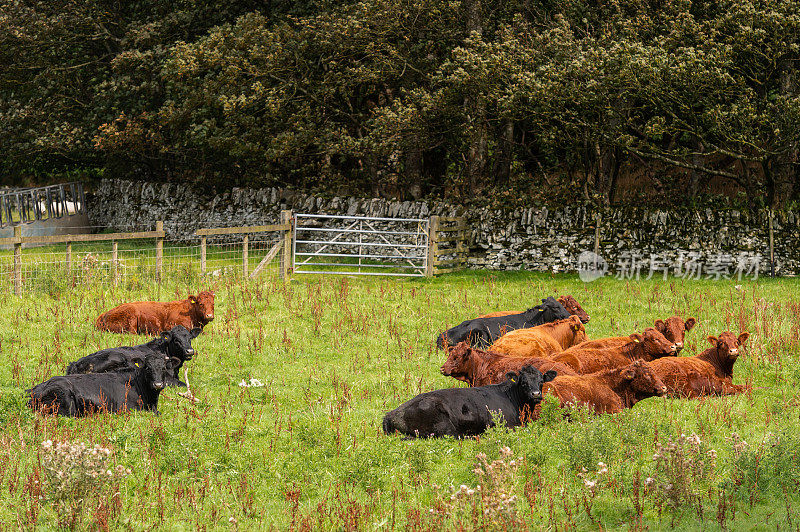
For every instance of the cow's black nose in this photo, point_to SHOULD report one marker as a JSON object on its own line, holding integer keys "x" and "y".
{"x": 190, "y": 351}
{"x": 158, "y": 385}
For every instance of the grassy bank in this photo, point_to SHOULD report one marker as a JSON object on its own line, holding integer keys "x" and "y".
{"x": 334, "y": 354}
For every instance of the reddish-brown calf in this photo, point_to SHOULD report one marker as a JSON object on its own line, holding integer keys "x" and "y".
{"x": 647, "y": 346}
{"x": 709, "y": 373}
{"x": 542, "y": 340}
{"x": 152, "y": 317}
{"x": 673, "y": 329}
{"x": 606, "y": 392}
{"x": 479, "y": 368}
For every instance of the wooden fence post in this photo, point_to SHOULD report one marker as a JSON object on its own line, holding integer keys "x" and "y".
{"x": 771, "y": 246}
{"x": 203, "y": 255}
{"x": 159, "y": 252}
{"x": 114, "y": 265}
{"x": 286, "y": 268}
{"x": 18, "y": 260}
{"x": 69, "y": 257}
{"x": 245, "y": 246}
{"x": 433, "y": 248}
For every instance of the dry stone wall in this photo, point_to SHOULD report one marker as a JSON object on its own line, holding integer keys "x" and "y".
{"x": 700, "y": 243}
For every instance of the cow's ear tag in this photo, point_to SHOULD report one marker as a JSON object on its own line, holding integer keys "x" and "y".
{"x": 512, "y": 379}
{"x": 636, "y": 340}
{"x": 137, "y": 364}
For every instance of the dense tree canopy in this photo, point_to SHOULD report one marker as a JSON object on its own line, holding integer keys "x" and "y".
{"x": 528, "y": 100}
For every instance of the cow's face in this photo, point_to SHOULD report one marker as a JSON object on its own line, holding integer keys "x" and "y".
{"x": 674, "y": 329}
{"x": 574, "y": 308}
{"x": 643, "y": 380}
{"x": 204, "y": 305}
{"x": 457, "y": 362}
{"x": 727, "y": 344}
{"x": 655, "y": 345}
{"x": 180, "y": 341}
{"x": 578, "y": 329}
{"x": 159, "y": 369}
{"x": 530, "y": 382}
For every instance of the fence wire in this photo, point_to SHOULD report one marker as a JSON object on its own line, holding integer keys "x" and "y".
{"x": 56, "y": 267}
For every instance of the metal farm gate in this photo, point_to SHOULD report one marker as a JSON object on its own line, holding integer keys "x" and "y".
{"x": 357, "y": 245}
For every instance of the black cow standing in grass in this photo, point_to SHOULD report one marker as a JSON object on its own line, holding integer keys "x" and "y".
{"x": 482, "y": 332}
{"x": 460, "y": 412}
{"x": 176, "y": 343}
{"x": 85, "y": 394}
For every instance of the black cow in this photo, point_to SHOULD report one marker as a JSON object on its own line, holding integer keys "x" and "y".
{"x": 176, "y": 343}
{"x": 462, "y": 412}
{"x": 80, "y": 395}
{"x": 482, "y": 332}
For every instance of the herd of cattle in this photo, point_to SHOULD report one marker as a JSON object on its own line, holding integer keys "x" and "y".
{"x": 512, "y": 360}
{"x": 121, "y": 379}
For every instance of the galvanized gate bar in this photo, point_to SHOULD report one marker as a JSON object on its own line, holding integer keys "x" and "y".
{"x": 402, "y": 245}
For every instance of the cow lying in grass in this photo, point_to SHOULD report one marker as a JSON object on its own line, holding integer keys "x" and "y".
{"x": 647, "y": 346}
{"x": 481, "y": 332}
{"x": 542, "y": 340}
{"x": 568, "y": 302}
{"x": 609, "y": 391}
{"x": 460, "y": 412}
{"x": 85, "y": 394}
{"x": 674, "y": 329}
{"x": 709, "y": 373}
{"x": 176, "y": 343}
{"x": 152, "y": 317}
{"x": 479, "y": 368}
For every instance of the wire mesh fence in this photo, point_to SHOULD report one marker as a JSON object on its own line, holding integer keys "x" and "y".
{"x": 134, "y": 263}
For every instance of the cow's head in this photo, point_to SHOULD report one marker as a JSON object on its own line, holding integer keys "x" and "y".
{"x": 158, "y": 370}
{"x": 551, "y": 310}
{"x": 529, "y": 382}
{"x": 179, "y": 341}
{"x": 576, "y": 325}
{"x": 674, "y": 329}
{"x": 726, "y": 350}
{"x": 572, "y": 306}
{"x": 642, "y": 380}
{"x": 457, "y": 363}
{"x": 203, "y": 305}
{"x": 651, "y": 345}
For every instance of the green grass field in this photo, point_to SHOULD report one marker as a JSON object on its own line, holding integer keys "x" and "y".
{"x": 306, "y": 450}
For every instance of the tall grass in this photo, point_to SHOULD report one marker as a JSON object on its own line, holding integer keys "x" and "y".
{"x": 305, "y": 450}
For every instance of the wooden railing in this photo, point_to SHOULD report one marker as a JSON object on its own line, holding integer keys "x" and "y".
{"x": 285, "y": 243}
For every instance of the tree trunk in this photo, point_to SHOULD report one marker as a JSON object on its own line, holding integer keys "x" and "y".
{"x": 475, "y": 109}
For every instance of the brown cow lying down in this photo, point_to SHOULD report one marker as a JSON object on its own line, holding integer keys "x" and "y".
{"x": 151, "y": 317}
{"x": 542, "y": 340}
{"x": 567, "y": 301}
{"x": 647, "y": 346}
{"x": 709, "y": 373}
{"x": 479, "y": 368}
{"x": 609, "y": 391}
{"x": 674, "y": 329}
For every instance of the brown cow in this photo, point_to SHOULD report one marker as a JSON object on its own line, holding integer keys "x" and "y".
{"x": 609, "y": 391}
{"x": 152, "y": 317}
{"x": 709, "y": 373}
{"x": 674, "y": 329}
{"x": 647, "y": 346}
{"x": 542, "y": 340}
{"x": 568, "y": 302}
{"x": 479, "y": 368}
